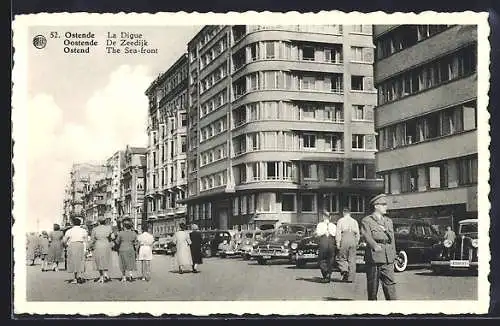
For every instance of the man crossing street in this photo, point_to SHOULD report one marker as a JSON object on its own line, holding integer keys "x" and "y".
{"x": 380, "y": 252}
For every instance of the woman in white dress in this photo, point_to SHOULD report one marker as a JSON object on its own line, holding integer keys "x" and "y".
{"x": 75, "y": 239}
{"x": 145, "y": 240}
{"x": 183, "y": 250}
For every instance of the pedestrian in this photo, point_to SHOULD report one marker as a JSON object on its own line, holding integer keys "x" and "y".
{"x": 32, "y": 248}
{"x": 55, "y": 255}
{"x": 126, "y": 241}
{"x": 325, "y": 231}
{"x": 75, "y": 239}
{"x": 145, "y": 240}
{"x": 380, "y": 253}
{"x": 44, "y": 249}
{"x": 102, "y": 249}
{"x": 183, "y": 251}
{"x": 449, "y": 236}
{"x": 195, "y": 237}
{"x": 347, "y": 239}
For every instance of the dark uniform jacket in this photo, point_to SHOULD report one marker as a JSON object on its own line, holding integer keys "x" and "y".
{"x": 381, "y": 233}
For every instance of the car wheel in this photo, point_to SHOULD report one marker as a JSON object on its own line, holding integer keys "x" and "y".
{"x": 223, "y": 255}
{"x": 246, "y": 257}
{"x": 261, "y": 261}
{"x": 401, "y": 261}
{"x": 436, "y": 270}
{"x": 208, "y": 253}
{"x": 300, "y": 263}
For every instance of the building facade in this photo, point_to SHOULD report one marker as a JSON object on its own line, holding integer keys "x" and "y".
{"x": 133, "y": 183}
{"x": 280, "y": 124}
{"x": 166, "y": 152}
{"x": 116, "y": 164}
{"x": 82, "y": 176}
{"x": 426, "y": 120}
{"x": 98, "y": 200}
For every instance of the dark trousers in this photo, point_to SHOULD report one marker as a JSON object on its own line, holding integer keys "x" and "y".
{"x": 384, "y": 273}
{"x": 347, "y": 255}
{"x": 326, "y": 255}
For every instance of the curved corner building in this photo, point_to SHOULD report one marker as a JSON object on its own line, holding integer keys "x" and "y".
{"x": 280, "y": 124}
{"x": 426, "y": 120}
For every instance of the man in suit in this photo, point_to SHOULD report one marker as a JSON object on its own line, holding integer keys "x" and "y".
{"x": 380, "y": 253}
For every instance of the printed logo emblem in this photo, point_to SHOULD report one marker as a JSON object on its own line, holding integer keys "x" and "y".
{"x": 39, "y": 41}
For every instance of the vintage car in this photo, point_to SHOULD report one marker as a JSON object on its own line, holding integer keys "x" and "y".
{"x": 211, "y": 239}
{"x": 227, "y": 248}
{"x": 248, "y": 240}
{"x": 416, "y": 243}
{"x": 461, "y": 255}
{"x": 164, "y": 245}
{"x": 282, "y": 243}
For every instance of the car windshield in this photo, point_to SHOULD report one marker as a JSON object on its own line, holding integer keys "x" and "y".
{"x": 290, "y": 229}
{"x": 401, "y": 229}
{"x": 468, "y": 228}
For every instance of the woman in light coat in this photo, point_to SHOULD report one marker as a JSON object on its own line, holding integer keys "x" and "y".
{"x": 183, "y": 249}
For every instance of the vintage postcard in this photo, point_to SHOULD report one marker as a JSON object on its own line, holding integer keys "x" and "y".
{"x": 264, "y": 163}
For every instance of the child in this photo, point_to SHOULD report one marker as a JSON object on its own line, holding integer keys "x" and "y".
{"x": 145, "y": 240}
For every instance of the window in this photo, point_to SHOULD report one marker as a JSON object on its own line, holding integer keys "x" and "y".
{"x": 255, "y": 171}
{"x": 359, "y": 171}
{"x": 253, "y": 141}
{"x": 331, "y": 203}
{"x": 357, "y": 28}
{"x": 467, "y": 171}
{"x": 309, "y": 171}
{"x": 253, "y": 82}
{"x": 288, "y": 203}
{"x": 356, "y": 83}
{"x": 437, "y": 176}
{"x": 334, "y": 142}
{"x": 265, "y": 201}
{"x": 254, "y": 51}
{"x": 409, "y": 180}
{"x": 332, "y": 171}
{"x": 357, "y": 53}
{"x": 183, "y": 144}
{"x": 288, "y": 170}
{"x": 270, "y": 54}
{"x": 334, "y": 112}
{"x": 308, "y": 53}
{"x": 356, "y": 203}
{"x": 307, "y": 82}
{"x": 242, "y": 174}
{"x": 358, "y": 112}
{"x": 358, "y": 141}
{"x": 337, "y": 83}
{"x": 235, "y": 206}
{"x": 308, "y": 203}
{"x": 308, "y": 112}
{"x": 272, "y": 170}
{"x": 309, "y": 141}
{"x": 243, "y": 205}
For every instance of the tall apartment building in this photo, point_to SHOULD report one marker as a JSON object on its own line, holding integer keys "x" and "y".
{"x": 81, "y": 177}
{"x": 116, "y": 164}
{"x": 280, "y": 124}
{"x": 133, "y": 185}
{"x": 98, "y": 199}
{"x": 167, "y": 145}
{"x": 426, "y": 120}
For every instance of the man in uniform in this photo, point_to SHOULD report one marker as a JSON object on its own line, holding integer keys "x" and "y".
{"x": 380, "y": 253}
{"x": 325, "y": 231}
{"x": 347, "y": 238}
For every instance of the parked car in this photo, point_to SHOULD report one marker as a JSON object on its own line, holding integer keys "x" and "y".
{"x": 248, "y": 240}
{"x": 164, "y": 245}
{"x": 227, "y": 248}
{"x": 416, "y": 243}
{"x": 282, "y": 243}
{"x": 159, "y": 248}
{"x": 211, "y": 240}
{"x": 461, "y": 255}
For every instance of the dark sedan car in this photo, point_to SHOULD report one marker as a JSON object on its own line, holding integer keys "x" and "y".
{"x": 417, "y": 242}
{"x": 461, "y": 255}
{"x": 282, "y": 243}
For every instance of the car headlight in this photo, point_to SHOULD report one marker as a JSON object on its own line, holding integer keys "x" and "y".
{"x": 447, "y": 243}
{"x": 300, "y": 252}
{"x": 474, "y": 243}
{"x": 286, "y": 243}
{"x": 294, "y": 245}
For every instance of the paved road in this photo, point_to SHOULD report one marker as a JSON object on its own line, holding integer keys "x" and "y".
{"x": 235, "y": 279}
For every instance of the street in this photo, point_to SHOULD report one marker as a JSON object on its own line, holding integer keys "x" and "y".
{"x": 236, "y": 279}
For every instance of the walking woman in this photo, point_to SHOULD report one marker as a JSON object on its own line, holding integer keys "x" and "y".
{"x": 44, "y": 250}
{"x": 145, "y": 256}
{"x": 183, "y": 253}
{"x": 195, "y": 237}
{"x": 126, "y": 242}
{"x": 75, "y": 239}
{"x": 102, "y": 249}
{"x": 55, "y": 255}
{"x": 31, "y": 248}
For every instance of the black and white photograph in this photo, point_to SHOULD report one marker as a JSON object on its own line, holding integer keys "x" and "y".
{"x": 291, "y": 164}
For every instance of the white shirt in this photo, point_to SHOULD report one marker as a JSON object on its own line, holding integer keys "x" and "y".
{"x": 326, "y": 228}
{"x": 349, "y": 224}
{"x": 145, "y": 239}
{"x": 76, "y": 234}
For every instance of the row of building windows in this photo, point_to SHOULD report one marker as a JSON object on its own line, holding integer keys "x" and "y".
{"x": 213, "y": 181}
{"x": 322, "y": 29}
{"x": 175, "y": 174}
{"x": 456, "y": 65}
{"x": 213, "y": 129}
{"x": 200, "y": 211}
{"x": 213, "y": 155}
{"x": 214, "y": 103}
{"x": 438, "y": 175}
{"x": 282, "y": 80}
{"x": 434, "y": 125}
{"x": 213, "y": 78}
{"x": 167, "y": 151}
{"x": 282, "y": 50}
{"x": 292, "y": 141}
{"x": 213, "y": 53}
{"x": 168, "y": 200}
{"x": 166, "y": 130}
{"x": 405, "y": 36}
{"x": 171, "y": 82}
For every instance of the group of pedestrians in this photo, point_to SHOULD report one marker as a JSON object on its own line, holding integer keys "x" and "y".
{"x": 47, "y": 247}
{"x": 338, "y": 243}
{"x": 188, "y": 248}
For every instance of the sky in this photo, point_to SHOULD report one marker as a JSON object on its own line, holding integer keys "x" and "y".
{"x": 86, "y": 107}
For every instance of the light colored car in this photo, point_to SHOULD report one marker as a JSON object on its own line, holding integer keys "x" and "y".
{"x": 249, "y": 239}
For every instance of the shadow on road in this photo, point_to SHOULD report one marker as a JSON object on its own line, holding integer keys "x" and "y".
{"x": 270, "y": 263}
{"x": 304, "y": 267}
{"x": 447, "y": 274}
{"x": 315, "y": 279}
{"x": 336, "y": 299}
